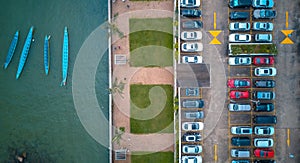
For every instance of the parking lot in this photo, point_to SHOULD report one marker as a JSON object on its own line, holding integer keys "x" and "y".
{"x": 287, "y": 90}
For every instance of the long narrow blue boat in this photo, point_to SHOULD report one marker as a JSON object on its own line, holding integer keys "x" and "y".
{"x": 11, "y": 49}
{"x": 46, "y": 54}
{"x": 24, "y": 53}
{"x": 65, "y": 56}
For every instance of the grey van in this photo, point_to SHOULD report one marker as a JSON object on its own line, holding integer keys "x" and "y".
{"x": 265, "y": 119}
{"x": 240, "y": 141}
{"x": 264, "y": 95}
{"x": 264, "y": 83}
{"x": 194, "y": 114}
{"x": 193, "y": 103}
{"x": 240, "y": 153}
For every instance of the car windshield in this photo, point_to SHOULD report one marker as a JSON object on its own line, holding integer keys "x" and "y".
{"x": 262, "y": 13}
{"x": 191, "y": 138}
{"x": 239, "y": 83}
{"x": 237, "y": 94}
{"x": 235, "y": 107}
{"x": 195, "y": 59}
{"x": 267, "y": 61}
{"x": 191, "y": 35}
{"x": 266, "y": 71}
{"x": 258, "y": 60}
{"x": 195, "y": 126}
{"x": 262, "y": 153}
{"x": 269, "y": 13}
{"x": 246, "y": 131}
{"x": 186, "y": 59}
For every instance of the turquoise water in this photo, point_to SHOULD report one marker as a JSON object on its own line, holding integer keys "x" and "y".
{"x": 36, "y": 114}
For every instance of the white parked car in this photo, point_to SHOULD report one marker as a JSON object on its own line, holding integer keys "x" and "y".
{"x": 191, "y": 35}
{"x": 265, "y": 71}
{"x": 263, "y": 3}
{"x": 235, "y": 61}
{"x": 191, "y": 47}
{"x": 263, "y": 26}
{"x": 192, "y": 59}
{"x": 189, "y": 3}
{"x": 263, "y": 37}
{"x": 241, "y": 130}
{"x": 239, "y": 107}
{"x": 264, "y": 130}
{"x": 239, "y": 26}
{"x": 192, "y": 126}
{"x": 191, "y": 159}
{"x": 238, "y": 37}
{"x": 191, "y": 149}
{"x": 263, "y": 142}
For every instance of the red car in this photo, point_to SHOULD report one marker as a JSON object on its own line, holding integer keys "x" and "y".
{"x": 238, "y": 83}
{"x": 264, "y": 153}
{"x": 239, "y": 94}
{"x": 263, "y": 61}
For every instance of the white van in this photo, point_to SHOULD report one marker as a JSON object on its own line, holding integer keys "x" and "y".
{"x": 240, "y": 153}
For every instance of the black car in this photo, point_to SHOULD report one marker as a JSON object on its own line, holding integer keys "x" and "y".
{"x": 192, "y": 137}
{"x": 240, "y": 141}
{"x": 265, "y": 119}
{"x": 240, "y": 3}
{"x": 264, "y": 161}
{"x": 192, "y": 24}
{"x": 236, "y": 15}
{"x": 190, "y": 13}
{"x": 264, "y": 107}
{"x": 264, "y": 83}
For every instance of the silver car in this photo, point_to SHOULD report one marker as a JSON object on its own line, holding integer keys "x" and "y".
{"x": 263, "y": 37}
{"x": 264, "y": 130}
{"x": 263, "y": 142}
{"x": 192, "y": 91}
{"x": 194, "y": 114}
{"x": 191, "y": 159}
{"x": 239, "y": 26}
{"x": 263, "y": 26}
{"x": 235, "y": 61}
{"x": 239, "y": 37}
{"x": 265, "y": 71}
{"x": 191, "y": 47}
{"x": 191, "y": 149}
{"x": 263, "y": 3}
{"x": 193, "y": 103}
{"x": 192, "y": 126}
{"x": 189, "y": 3}
{"x": 241, "y": 130}
{"x": 239, "y": 107}
{"x": 191, "y": 35}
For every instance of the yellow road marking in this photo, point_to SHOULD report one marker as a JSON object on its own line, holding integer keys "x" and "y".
{"x": 287, "y": 40}
{"x": 286, "y": 19}
{"x": 215, "y": 19}
{"x": 288, "y": 137}
{"x": 215, "y": 33}
{"x": 216, "y": 152}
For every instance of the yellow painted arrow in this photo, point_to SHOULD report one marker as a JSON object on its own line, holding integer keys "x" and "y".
{"x": 215, "y": 33}
{"x": 287, "y": 40}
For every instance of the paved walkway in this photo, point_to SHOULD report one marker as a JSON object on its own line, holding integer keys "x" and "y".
{"x": 123, "y": 11}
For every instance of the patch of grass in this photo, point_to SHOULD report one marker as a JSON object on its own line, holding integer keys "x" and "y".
{"x": 151, "y": 108}
{"x": 259, "y": 48}
{"x": 151, "y": 42}
{"x": 144, "y": 157}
